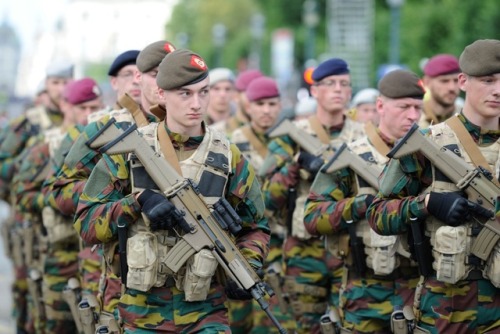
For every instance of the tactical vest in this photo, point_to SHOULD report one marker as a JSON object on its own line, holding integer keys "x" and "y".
{"x": 209, "y": 167}
{"x": 453, "y": 260}
{"x": 59, "y": 228}
{"x": 383, "y": 252}
{"x": 39, "y": 117}
{"x": 351, "y": 131}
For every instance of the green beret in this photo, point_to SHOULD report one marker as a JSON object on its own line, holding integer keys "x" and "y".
{"x": 399, "y": 84}
{"x": 181, "y": 68}
{"x": 152, "y": 55}
{"x": 481, "y": 58}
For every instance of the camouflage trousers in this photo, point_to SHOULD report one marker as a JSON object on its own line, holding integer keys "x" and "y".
{"x": 20, "y": 303}
{"x": 309, "y": 266}
{"x": 464, "y": 307}
{"x": 60, "y": 265}
{"x": 90, "y": 267}
{"x": 367, "y": 303}
{"x": 164, "y": 310}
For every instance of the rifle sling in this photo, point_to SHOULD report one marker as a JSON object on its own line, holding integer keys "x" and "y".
{"x": 319, "y": 130}
{"x": 159, "y": 111}
{"x": 256, "y": 143}
{"x": 375, "y": 139}
{"x": 429, "y": 114}
{"x": 167, "y": 148}
{"x": 469, "y": 145}
{"x": 128, "y": 103}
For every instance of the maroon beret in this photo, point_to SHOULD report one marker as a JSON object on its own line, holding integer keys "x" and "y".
{"x": 80, "y": 91}
{"x": 262, "y": 88}
{"x": 245, "y": 77}
{"x": 441, "y": 64}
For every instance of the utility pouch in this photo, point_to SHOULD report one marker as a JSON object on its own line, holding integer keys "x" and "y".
{"x": 71, "y": 295}
{"x": 449, "y": 254}
{"x": 58, "y": 227}
{"x": 381, "y": 251}
{"x": 142, "y": 261}
{"x": 200, "y": 269}
{"x": 298, "y": 228}
{"x": 492, "y": 269}
{"x": 399, "y": 324}
{"x": 88, "y": 314}
{"x": 107, "y": 324}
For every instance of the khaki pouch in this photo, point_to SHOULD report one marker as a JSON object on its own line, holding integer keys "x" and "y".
{"x": 449, "y": 254}
{"x": 142, "y": 261}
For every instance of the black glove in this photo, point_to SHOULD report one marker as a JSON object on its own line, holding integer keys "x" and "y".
{"x": 161, "y": 213}
{"x": 236, "y": 293}
{"x": 453, "y": 209}
{"x": 310, "y": 162}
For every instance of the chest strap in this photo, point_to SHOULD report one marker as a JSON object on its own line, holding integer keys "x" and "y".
{"x": 375, "y": 139}
{"x": 256, "y": 143}
{"x": 167, "y": 148}
{"x": 319, "y": 130}
{"x": 128, "y": 103}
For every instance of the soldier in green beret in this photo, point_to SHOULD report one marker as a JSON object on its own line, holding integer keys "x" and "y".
{"x": 119, "y": 192}
{"x": 377, "y": 276}
{"x": 461, "y": 291}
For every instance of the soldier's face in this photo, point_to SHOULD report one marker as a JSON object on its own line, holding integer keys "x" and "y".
{"x": 78, "y": 113}
{"x": 482, "y": 95}
{"x": 263, "y": 113}
{"x": 221, "y": 96}
{"x": 444, "y": 89}
{"x": 333, "y": 93}
{"x": 148, "y": 86}
{"x": 398, "y": 115}
{"x": 367, "y": 112}
{"x": 186, "y": 106}
{"x": 55, "y": 87}
{"x": 126, "y": 81}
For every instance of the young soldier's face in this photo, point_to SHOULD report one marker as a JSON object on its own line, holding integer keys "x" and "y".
{"x": 482, "y": 94}
{"x": 55, "y": 87}
{"x": 333, "y": 93}
{"x": 186, "y": 106}
{"x": 148, "y": 86}
{"x": 264, "y": 112}
{"x": 444, "y": 89}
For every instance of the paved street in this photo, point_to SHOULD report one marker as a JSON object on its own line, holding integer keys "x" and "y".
{"x": 6, "y": 276}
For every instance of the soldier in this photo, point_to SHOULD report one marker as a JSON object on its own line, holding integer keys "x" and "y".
{"x": 375, "y": 275}
{"x": 16, "y": 137}
{"x": 66, "y": 186}
{"x": 264, "y": 106}
{"x": 117, "y": 193}
{"x": 122, "y": 75}
{"x": 57, "y": 249}
{"x": 441, "y": 81}
{"x": 309, "y": 273}
{"x": 363, "y": 106}
{"x": 222, "y": 95}
{"x": 462, "y": 292}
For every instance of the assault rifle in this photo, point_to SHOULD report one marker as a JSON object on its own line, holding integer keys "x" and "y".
{"x": 345, "y": 158}
{"x": 209, "y": 226}
{"x": 476, "y": 182}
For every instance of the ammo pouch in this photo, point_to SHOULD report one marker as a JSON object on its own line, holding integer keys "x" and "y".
{"x": 200, "y": 269}
{"x": 298, "y": 228}
{"x": 450, "y": 251}
{"x": 89, "y": 313}
{"x": 142, "y": 261}
{"x": 380, "y": 251}
{"x": 107, "y": 324}
{"x": 492, "y": 269}
{"x": 58, "y": 227}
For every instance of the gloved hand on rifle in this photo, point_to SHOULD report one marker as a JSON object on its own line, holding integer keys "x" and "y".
{"x": 161, "y": 213}
{"x": 453, "y": 209}
{"x": 234, "y": 292}
{"x": 310, "y": 162}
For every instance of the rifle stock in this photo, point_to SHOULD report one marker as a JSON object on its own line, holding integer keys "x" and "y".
{"x": 206, "y": 231}
{"x": 308, "y": 143}
{"x": 345, "y": 158}
{"x": 474, "y": 181}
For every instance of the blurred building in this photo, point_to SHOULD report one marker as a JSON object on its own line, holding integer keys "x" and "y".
{"x": 10, "y": 53}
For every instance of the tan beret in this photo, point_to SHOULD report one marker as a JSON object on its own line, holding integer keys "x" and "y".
{"x": 481, "y": 58}
{"x": 152, "y": 55}
{"x": 399, "y": 84}
{"x": 181, "y": 68}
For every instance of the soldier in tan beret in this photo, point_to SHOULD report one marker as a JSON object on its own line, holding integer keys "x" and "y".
{"x": 461, "y": 291}
{"x": 192, "y": 300}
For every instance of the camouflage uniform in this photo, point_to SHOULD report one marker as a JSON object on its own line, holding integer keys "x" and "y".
{"x": 367, "y": 301}
{"x": 107, "y": 201}
{"x": 20, "y": 134}
{"x": 59, "y": 263}
{"x": 308, "y": 266}
{"x": 241, "y": 312}
{"x": 471, "y": 304}
{"x": 429, "y": 118}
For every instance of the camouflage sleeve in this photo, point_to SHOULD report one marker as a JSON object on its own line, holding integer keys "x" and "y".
{"x": 64, "y": 188}
{"x": 332, "y": 202}
{"x": 13, "y": 143}
{"x": 281, "y": 172}
{"x": 106, "y": 201}
{"x": 28, "y": 180}
{"x": 400, "y": 196}
{"x": 245, "y": 196}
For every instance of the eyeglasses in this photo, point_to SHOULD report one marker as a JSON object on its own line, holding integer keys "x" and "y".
{"x": 125, "y": 75}
{"x": 330, "y": 83}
